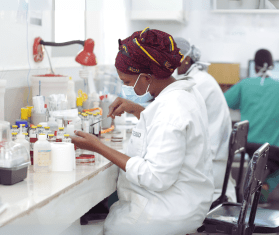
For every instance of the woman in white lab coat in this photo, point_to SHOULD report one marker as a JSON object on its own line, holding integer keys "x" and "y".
{"x": 219, "y": 120}
{"x": 165, "y": 185}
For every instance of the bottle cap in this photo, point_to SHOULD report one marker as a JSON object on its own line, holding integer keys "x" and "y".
{"x": 14, "y": 126}
{"x": 33, "y": 127}
{"x": 47, "y": 127}
{"x": 24, "y": 113}
{"x": 25, "y": 133}
{"x": 14, "y": 133}
{"x": 23, "y": 125}
{"x": 79, "y": 101}
{"x": 50, "y": 135}
{"x": 39, "y": 125}
{"x": 95, "y": 114}
{"x": 78, "y": 112}
{"x": 89, "y": 113}
{"x": 61, "y": 128}
{"x": 66, "y": 135}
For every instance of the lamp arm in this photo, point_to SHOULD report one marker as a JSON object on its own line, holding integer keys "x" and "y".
{"x": 62, "y": 43}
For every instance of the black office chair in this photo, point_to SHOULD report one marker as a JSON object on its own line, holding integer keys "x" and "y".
{"x": 242, "y": 219}
{"x": 237, "y": 144}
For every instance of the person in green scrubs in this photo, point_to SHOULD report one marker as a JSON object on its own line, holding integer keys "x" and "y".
{"x": 257, "y": 98}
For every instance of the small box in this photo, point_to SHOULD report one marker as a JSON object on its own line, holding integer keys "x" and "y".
{"x": 10, "y": 176}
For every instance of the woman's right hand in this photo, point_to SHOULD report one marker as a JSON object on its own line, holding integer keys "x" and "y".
{"x": 120, "y": 105}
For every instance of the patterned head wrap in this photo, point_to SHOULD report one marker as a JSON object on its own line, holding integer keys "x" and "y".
{"x": 148, "y": 51}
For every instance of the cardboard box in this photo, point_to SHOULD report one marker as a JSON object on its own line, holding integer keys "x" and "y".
{"x": 225, "y": 73}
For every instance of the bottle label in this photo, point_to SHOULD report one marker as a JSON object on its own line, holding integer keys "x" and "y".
{"x": 44, "y": 157}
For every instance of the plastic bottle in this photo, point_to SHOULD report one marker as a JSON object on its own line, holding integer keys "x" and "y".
{"x": 71, "y": 95}
{"x": 42, "y": 155}
{"x": 79, "y": 104}
{"x": 21, "y": 140}
{"x": 22, "y": 129}
{"x": 53, "y": 125}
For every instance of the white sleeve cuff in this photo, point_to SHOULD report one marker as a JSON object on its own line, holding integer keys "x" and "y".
{"x": 132, "y": 169}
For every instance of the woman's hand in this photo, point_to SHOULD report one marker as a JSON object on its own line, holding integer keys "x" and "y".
{"x": 120, "y": 105}
{"x": 87, "y": 141}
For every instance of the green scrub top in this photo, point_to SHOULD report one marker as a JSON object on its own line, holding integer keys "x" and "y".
{"x": 260, "y": 106}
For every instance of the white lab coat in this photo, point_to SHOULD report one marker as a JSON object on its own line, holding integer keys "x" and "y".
{"x": 219, "y": 125}
{"x": 167, "y": 188}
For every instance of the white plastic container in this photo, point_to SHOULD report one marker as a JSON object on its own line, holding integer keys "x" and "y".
{"x": 22, "y": 140}
{"x": 2, "y": 94}
{"x": 71, "y": 94}
{"x": 42, "y": 155}
{"x": 50, "y": 84}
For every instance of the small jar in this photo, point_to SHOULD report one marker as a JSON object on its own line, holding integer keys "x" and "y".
{"x": 67, "y": 138}
{"x": 51, "y": 138}
{"x": 14, "y": 134}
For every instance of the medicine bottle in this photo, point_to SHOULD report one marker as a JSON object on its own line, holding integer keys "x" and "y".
{"x": 14, "y": 129}
{"x": 42, "y": 154}
{"x": 60, "y": 134}
{"x": 26, "y": 137}
{"x": 51, "y": 138}
{"x": 47, "y": 130}
{"x": 67, "y": 138}
{"x": 40, "y": 129}
{"x": 14, "y": 134}
{"x": 85, "y": 123}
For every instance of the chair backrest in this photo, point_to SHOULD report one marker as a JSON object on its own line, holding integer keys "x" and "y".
{"x": 237, "y": 144}
{"x": 255, "y": 175}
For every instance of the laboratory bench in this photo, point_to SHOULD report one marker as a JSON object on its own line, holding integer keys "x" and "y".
{"x": 52, "y": 203}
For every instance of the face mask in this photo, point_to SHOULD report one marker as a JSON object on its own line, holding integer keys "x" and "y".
{"x": 129, "y": 93}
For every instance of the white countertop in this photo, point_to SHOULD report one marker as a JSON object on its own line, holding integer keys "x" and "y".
{"x": 40, "y": 189}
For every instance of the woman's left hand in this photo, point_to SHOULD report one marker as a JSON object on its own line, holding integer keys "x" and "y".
{"x": 87, "y": 141}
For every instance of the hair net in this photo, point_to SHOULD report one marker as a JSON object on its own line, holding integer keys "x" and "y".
{"x": 187, "y": 49}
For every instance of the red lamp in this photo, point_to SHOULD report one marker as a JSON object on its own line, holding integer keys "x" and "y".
{"x": 85, "y": 57}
